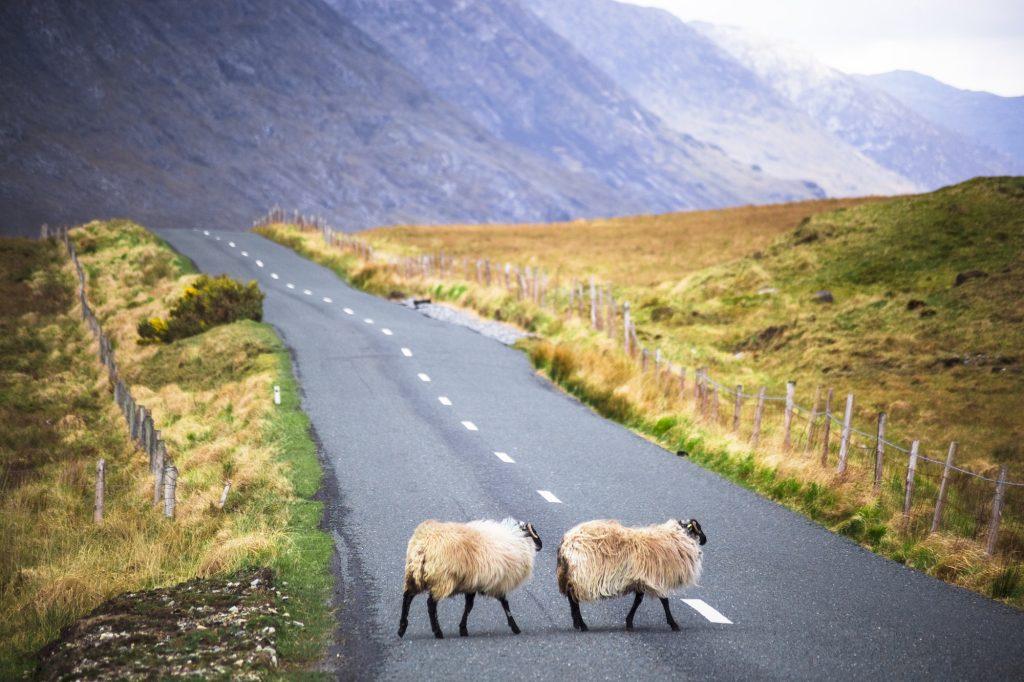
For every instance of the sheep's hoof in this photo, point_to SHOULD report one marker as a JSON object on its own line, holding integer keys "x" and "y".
{"x": 401, "y": 629}
{"x": 675, "y": 627}
{"x": 515, "y": 628}
{"x": 438, "y": 634}
{"x": 629, "y": 625}
{"x": 581, "y": 626}
{"x": 463, "y": 632}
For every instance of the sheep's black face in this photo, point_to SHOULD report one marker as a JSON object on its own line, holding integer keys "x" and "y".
{"x": 694, "y": 530}
{"x": 529, "y": 532}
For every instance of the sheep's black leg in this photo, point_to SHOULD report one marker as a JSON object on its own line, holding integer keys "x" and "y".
{"x": 406, "y": 603}
{"x": 668, "y": 614}
{"x": 432, "y": 610}
{"x": 508, "y": 614}
{"x": 632, "y": 612}
{"x": 463, "y": 631}
{"x": 577, "y": 617}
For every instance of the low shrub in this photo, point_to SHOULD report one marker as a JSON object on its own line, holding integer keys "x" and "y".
{"x": 207, "y": 302}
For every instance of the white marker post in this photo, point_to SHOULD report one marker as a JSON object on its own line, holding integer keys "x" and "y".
{"x": 277, "y": 395}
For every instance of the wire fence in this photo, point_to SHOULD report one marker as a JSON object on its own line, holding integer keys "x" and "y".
{"x": 929, "y": 489}
{"x": 138, "y": 419}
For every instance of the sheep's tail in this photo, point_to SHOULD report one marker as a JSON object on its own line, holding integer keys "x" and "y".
{"x": 416, "y": 571}
{"x": 562, "y": 573}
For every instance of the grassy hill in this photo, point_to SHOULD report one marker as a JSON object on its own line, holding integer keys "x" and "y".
{"x": 734, "y": 290}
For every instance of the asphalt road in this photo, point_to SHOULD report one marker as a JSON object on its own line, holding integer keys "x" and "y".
{"x": 803, "y": 603}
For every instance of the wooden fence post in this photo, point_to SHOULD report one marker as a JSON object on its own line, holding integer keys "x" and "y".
{"x": 101, "y": 485}
{"x": 809, "y": 443}
{"x": 844, "y": 443}
{"x": 682, "y": 382}
{"x": 879, "y": 451}
{"x": 787, "y": 441}
{"x": 736, "y": 409}
{"x": 997, "y": 512}
{"x": 828, "y": 428}
{"x": 940, "y": 503}
{"x": 908, "y": 494}
{"x": 714, "y": 404}
{"x": 170, "y": 490}
{"x": 158, "y": 474}
{"x": 593, "y": 304}
{"x": 626, "y": 328}
{"x": 643, "y": 360}
{"x": 758, "y": 414}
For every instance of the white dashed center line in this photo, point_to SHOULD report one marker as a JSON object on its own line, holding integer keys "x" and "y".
{"x": 348, "y": 311}
{"x": 231, "y": 244}
{"x": 368, "y": 320}
{"x": 274, "y": 275}
{"x": 423, "y": 377}
{"x": 470, "y": 426}
{"x": 705, "y": 609}
{"x": 259, "y": 262}
{"x": 217, "y": 238}
{"x": 443, "y": 399}
{"x": 406, "y": 352}
{"x": 387, "y": 332}
{"x": 307, "y": 292}
{"x": 549, "y": 496}
{"x": 290, "y": 285}
{"x": 327, "y": 300}
{"x": 206, "y": 232}
{"x": 503, "y": 456}
{"x": 245, "y": 254}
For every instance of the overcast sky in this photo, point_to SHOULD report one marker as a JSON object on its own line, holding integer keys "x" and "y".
{"x": 972, "y": 44}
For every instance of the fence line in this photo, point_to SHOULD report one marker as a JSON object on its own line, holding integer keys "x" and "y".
{"x": 585, "y": 300}
{"x": 138, "y": 418}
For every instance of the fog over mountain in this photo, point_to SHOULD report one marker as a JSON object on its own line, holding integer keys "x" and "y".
{"x": 991, "y": 120}
{"x": 696, "y": 86}
{"x": 376, "y": 112}
{"x": 880, "y": 126}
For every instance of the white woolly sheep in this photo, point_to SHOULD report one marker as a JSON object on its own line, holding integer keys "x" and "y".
{"x": 601, "y": 559}
{"x": 486, "y": 557}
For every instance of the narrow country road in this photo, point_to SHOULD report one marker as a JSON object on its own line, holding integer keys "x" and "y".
{"x": 422, "y": 419}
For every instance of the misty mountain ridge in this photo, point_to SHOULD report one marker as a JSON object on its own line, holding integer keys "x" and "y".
{"x": 377, "y": 112}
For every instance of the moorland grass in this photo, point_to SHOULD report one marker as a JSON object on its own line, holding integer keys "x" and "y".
{"x": 210, "y": 396}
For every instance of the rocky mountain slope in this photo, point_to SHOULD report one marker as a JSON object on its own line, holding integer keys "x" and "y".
{"x": 878, "y": 125}
{"x": 992, "y": 120}
{"x": 188, "y": 113}
{"x": 697, "y": 87}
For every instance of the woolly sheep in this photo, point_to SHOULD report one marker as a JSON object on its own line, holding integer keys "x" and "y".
{"x": 601, "y": 559}
{"x": 486, "y": 557}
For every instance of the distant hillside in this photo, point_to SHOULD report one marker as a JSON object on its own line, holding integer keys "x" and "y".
{"x": 995, "y": 121}
{"x": 697, "y": 87}
{"x": 880, "y": 126}
{"x": 197, "y": 113}
{"x": 926, "y": 320}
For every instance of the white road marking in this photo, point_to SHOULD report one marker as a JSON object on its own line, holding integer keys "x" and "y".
{"x": 368, "y": 320}
{"x": 274, "y": 275}
{"x": 259, "y": 262}
{"x": 245, "y": 254}
{"x": 231, "y": 244}
{"x": 406, "y": 352}
{"x": 387, "y": 332}
{"x": 503, "y": 456}
{"x": 290, "y": 285}
{"x": 443, "y": 399}
{"x": 547, "y": 495}
{"x": 470, "y": 426}
{"x": 348, "y": 311}
{"x": 307, "y": 292}
{"x": 423, "y": 377}
{"x": 705, "y": 609}
{"x": 206, "y": 232}
{"x": 327, "y": 300}
{"x": 217, "y": 238}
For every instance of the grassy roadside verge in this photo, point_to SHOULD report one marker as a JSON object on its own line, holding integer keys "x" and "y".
{"x": 590, "y": 366}
{"x": 211, "y": 398}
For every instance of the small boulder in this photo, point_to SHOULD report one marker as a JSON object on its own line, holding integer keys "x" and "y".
{"x": 968, "y": 275}
{"x": 914, "y": 304}
{"x": 823, "y": 296}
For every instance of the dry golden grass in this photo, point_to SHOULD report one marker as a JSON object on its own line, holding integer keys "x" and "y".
{"x": 210, "y": 398}
{"x": 629, "y": 251}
